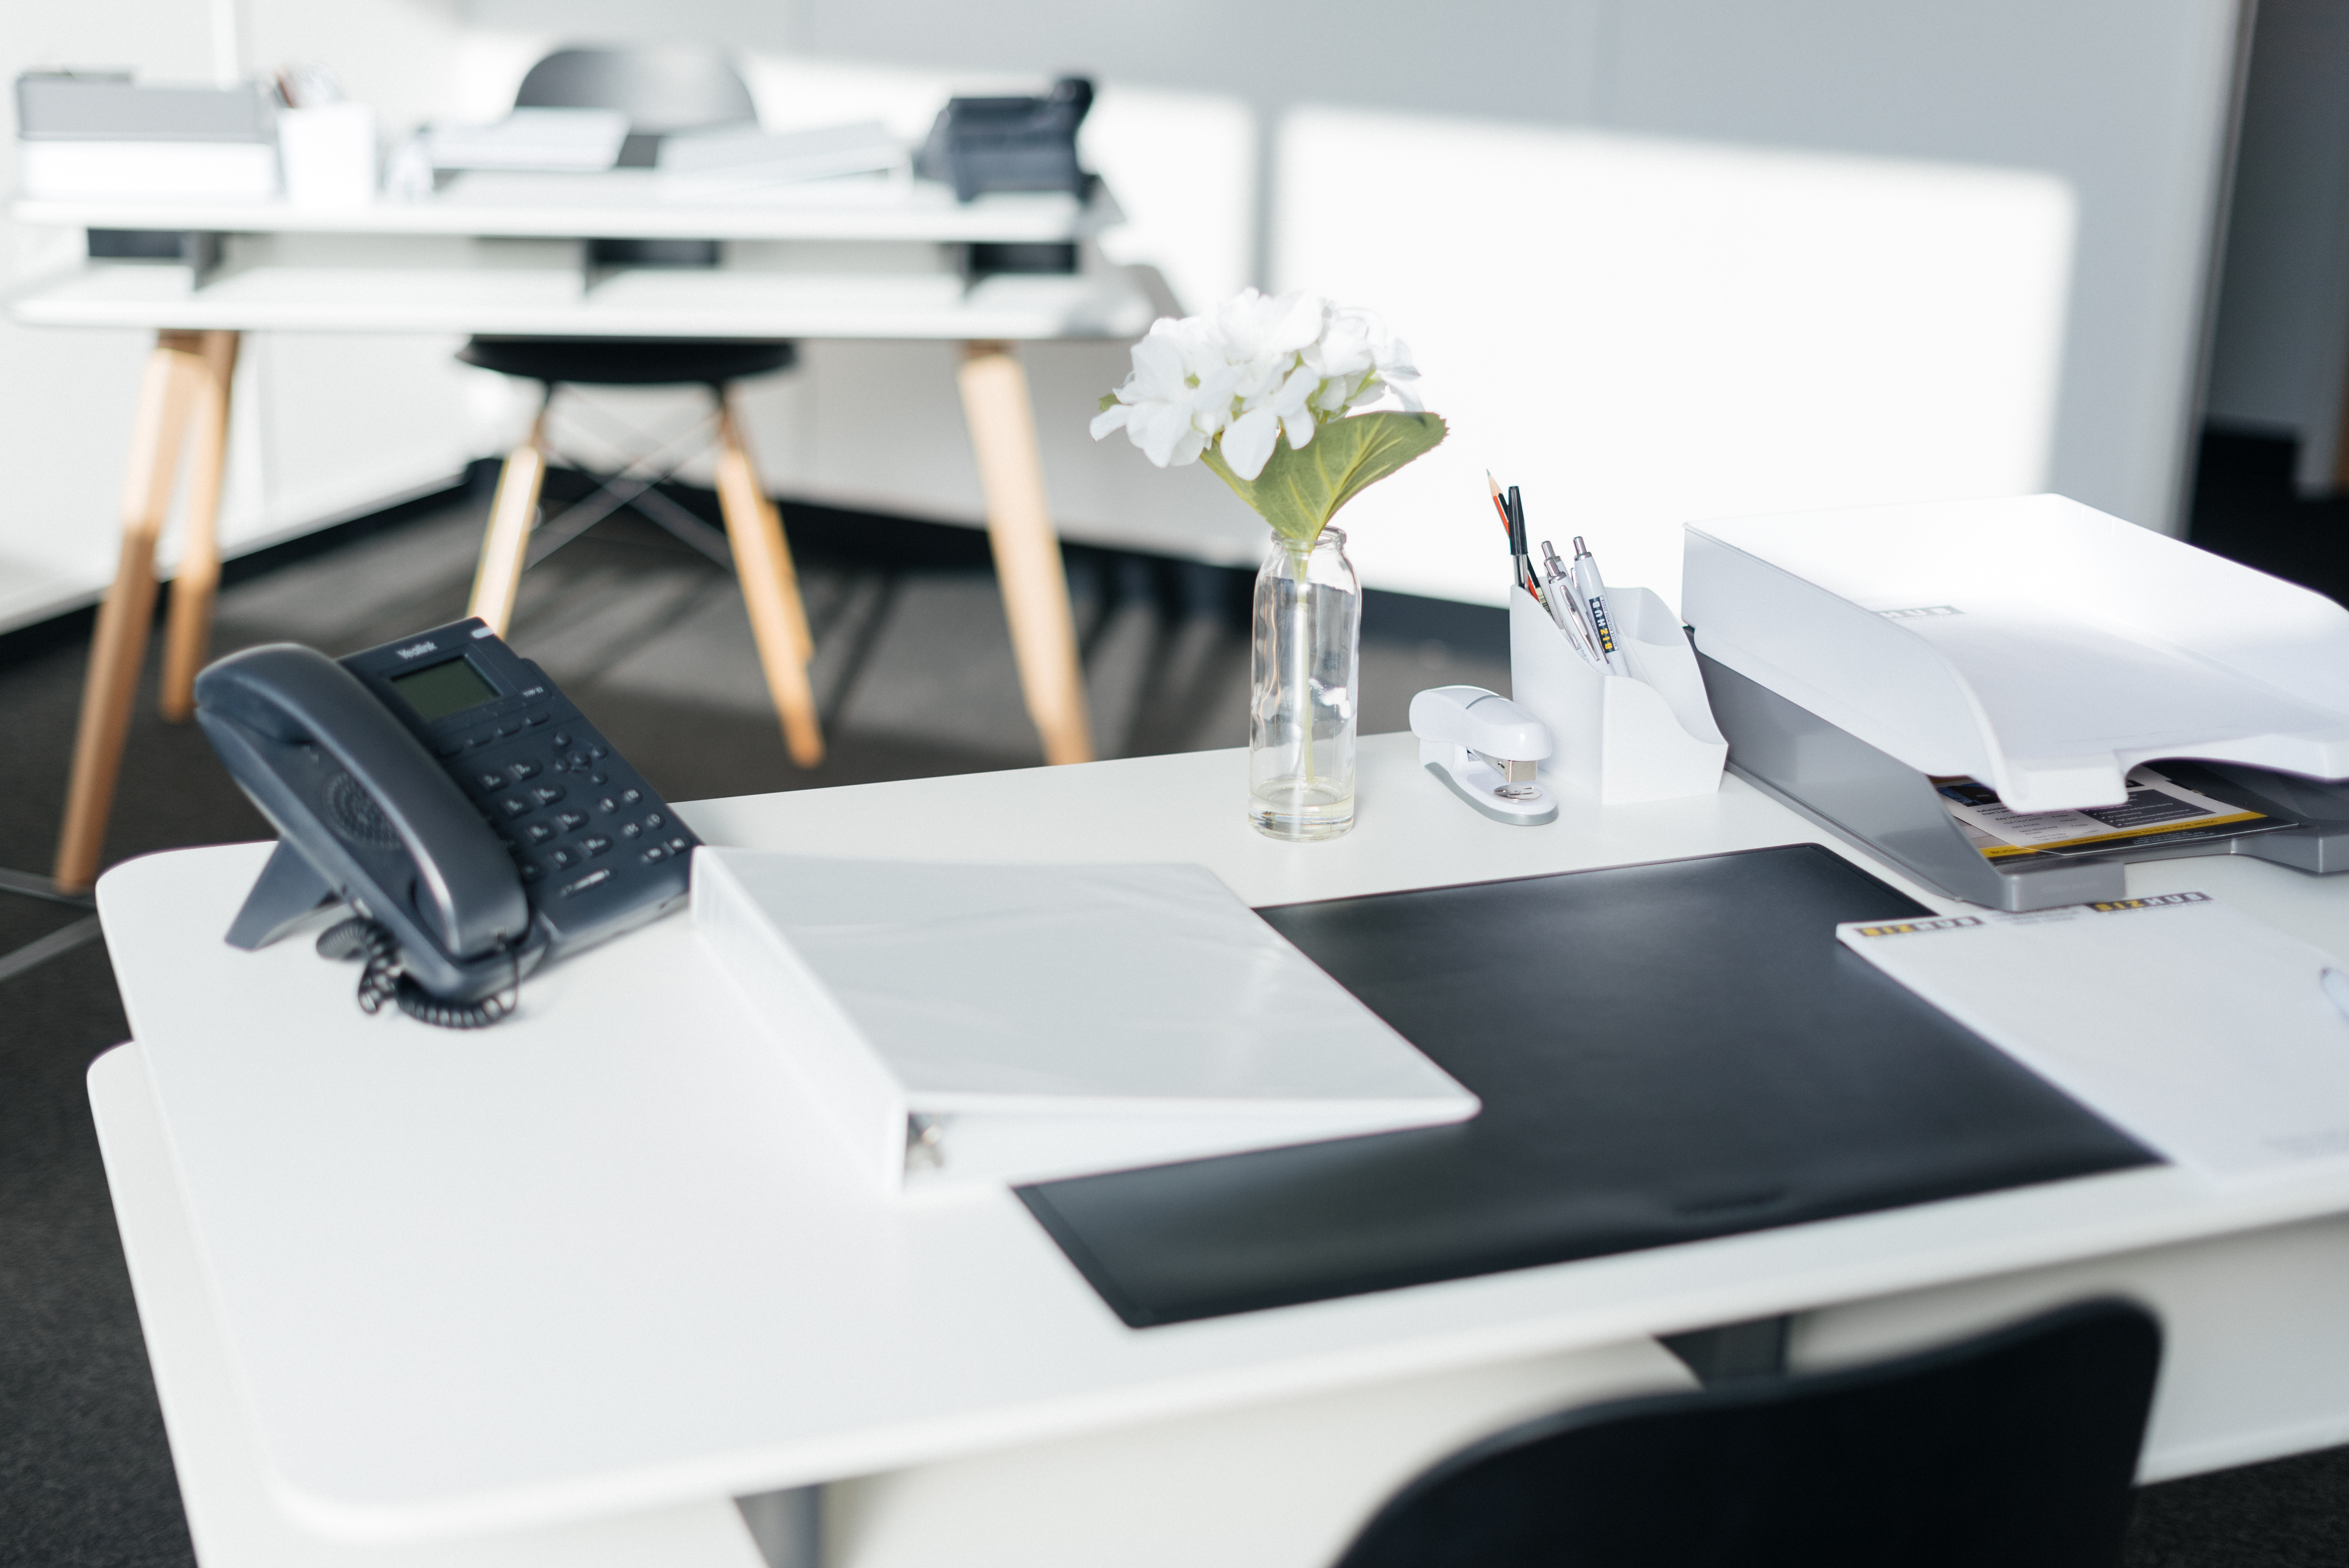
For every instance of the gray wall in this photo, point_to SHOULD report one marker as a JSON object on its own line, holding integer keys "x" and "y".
{"x": 2129, "y": 101}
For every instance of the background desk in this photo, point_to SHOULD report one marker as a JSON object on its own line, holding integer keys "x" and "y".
{"x": 601, "y": 1260}
{"x": 508, "y": 255}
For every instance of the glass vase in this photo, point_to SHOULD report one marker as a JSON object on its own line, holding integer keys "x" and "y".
{"x": 1305, "y": 657}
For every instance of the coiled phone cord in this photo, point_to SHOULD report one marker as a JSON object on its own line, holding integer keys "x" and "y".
{"x": 383, "y": 980}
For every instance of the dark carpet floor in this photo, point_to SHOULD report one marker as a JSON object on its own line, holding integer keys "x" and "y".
{"x": 914, "y": 677}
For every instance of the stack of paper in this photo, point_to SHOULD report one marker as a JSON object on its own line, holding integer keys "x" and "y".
{"x": 2189, "y": 1025}
{"x": 1015, "y": 1023}
{"x": 548, "y": 140}
{"x": 101, "y": 135}
{"x": 727, "y": 162}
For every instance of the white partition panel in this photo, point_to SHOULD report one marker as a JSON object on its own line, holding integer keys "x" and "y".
{"x": 1639, "y": 331}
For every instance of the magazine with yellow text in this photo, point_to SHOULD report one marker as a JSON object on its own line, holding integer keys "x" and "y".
{"x": 2158, "y": 808}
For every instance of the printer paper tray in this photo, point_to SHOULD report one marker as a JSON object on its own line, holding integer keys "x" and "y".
{"x": 1890, "y": 809}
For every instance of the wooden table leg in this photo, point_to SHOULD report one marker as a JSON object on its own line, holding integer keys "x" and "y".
{"x": 118, "y": 648}
{"x": 1027, "y": 551}
{"x": 771, "y": 590}
{"x": 188, "y": 630}
{"x": 513, "y": 514}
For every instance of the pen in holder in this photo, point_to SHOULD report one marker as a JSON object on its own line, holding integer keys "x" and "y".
{"x": 1646, "y": 735}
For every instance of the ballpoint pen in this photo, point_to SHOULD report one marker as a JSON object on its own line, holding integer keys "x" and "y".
{"x": 1592, "y": 589}
{"x": 1520, "y": 552}
{"x": 1522, "y": 564}
{"x": 1564, "y": 609}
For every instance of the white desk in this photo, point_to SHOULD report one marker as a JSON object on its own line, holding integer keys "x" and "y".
{"x": 623, "y": 203}
{"x": 291, "y": 283}
{"x": 600, "y": 1260}
{"x": 507, "y": 255}
{"x": 504, "y": 254}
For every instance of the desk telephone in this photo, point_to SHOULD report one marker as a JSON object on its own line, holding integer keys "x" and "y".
{"x": 442, "y": 786}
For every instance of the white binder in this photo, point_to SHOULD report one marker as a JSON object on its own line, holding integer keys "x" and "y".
{"x": 994, "y": 1023}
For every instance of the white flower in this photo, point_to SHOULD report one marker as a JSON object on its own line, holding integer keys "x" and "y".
{"x": 1250, "y": 370}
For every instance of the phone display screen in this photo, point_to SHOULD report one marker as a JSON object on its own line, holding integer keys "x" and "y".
{"x": 438, "y": 690}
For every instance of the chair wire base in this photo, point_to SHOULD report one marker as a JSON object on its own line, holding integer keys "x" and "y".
{"x": 58, "y": 943}
{"x": 634, "y": 487}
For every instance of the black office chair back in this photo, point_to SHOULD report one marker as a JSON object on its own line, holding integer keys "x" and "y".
{"x": 661, "y": 87}
{"x": 2017, "y": 1449}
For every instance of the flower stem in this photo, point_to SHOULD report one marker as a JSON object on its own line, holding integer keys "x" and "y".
{"x": 1301, "y": 637}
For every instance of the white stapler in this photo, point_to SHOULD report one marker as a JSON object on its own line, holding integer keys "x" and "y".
{"x": 1484, "y": 746}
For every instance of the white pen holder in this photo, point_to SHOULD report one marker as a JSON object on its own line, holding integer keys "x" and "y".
{"x": 328, "y": 154}
{"x": 1648, "y": 736}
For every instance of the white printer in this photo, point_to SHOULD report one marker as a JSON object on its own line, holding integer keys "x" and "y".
{"x": 1858, "y": 660}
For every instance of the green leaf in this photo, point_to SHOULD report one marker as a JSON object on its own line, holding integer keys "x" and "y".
{"x": 1108, "y": 401}
{"x": 1300, "y": 491}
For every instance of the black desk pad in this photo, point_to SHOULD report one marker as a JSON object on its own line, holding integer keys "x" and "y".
{"x": 1665, "y": 1053}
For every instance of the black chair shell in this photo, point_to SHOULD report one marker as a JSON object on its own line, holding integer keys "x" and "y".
{"x": 628, "y": 362}
{"x": 661, "y": 87}
{"x": 2017, "y": 1449}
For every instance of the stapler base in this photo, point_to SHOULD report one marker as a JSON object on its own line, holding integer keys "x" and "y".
{"x": 1479, "y": 783}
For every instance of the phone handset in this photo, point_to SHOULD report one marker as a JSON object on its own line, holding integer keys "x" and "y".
{"x": 365, "y": 814}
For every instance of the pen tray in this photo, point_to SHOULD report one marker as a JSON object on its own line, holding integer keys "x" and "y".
{"x": 1665, "y": 1053}
{"x": 1617, "y": 740}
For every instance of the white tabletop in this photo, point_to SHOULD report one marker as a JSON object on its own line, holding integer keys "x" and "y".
{"x": 556, "y": 297}
{"x": 226, "y": 1490}
{"x": 623, "y": 203}
{"x": 505, "y": 254}
{"x": 602, "y": 1259}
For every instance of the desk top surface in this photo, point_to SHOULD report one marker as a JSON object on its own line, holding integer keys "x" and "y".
{"x": 621, "y": 203}
{"x": 501, "y": 253}
{"x": 601, "y": 1257}
{"x": 554, "y": 297}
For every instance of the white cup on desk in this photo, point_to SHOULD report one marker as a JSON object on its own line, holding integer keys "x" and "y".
{"x": 328, "y": 154}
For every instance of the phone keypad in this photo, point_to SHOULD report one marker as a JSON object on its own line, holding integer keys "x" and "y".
{"x": 543, "y": 839}
{"x": 595, "y": 845}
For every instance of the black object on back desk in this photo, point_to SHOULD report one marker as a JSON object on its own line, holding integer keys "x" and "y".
{"x": 1665, "y": 1053}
